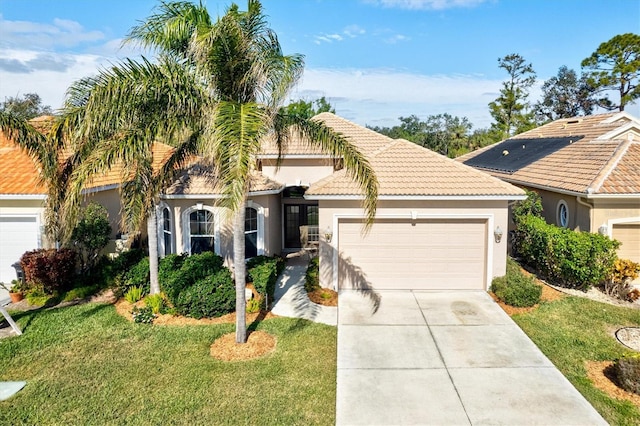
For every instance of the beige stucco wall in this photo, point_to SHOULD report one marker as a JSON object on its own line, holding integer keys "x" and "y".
{"x": 579, "y": 214}
{"x": 298, "y": 171}
{"x": 110, "y": 200}
{"x": 607, "y": 210}
{"x": 495, "y": 210}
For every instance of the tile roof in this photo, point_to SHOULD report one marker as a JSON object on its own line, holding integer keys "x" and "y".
{"x": 199, "y": 179}
{"x": 406, "y": 169}
{"x": 367, "y": 141}
{"x": 602, "y": 156}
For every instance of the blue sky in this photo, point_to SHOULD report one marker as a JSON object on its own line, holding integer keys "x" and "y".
{"x": 375, "y": 60}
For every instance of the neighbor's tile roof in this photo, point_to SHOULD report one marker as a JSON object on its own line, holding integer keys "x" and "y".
{"x": 199, "y": 179}
{"x": 406, "y": 169}
{"x": 366, "y": 140}
{"x": 604, "y": 158}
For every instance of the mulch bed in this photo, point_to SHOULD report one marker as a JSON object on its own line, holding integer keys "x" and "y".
{"x": 549, "y": 294}
{"x": 258, "y": 345}
{"x": 324, "y": 296}
{"x": 601, "y": 375}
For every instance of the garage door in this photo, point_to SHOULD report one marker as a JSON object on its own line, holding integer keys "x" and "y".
{"x": 421, "y": 254}
{"x": 629, "y": 235}
{"x": 17, "y": 235}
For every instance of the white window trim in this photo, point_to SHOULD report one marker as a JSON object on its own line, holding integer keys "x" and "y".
{"x": 414, "y": 216}
{"x": 260, "y": 237}
{"x": 160, "y": 228}
{"x": 562, "y": 203}
{"x": 186, "y": 229}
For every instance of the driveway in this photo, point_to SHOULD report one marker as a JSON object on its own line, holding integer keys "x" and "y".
{"x": 445, "y": 357}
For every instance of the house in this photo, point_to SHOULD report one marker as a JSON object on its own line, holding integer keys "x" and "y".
{"x": 439, "y": 223}
{"x": 586, "y": 170}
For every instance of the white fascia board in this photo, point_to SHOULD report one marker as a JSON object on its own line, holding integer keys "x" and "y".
{"x": 634, "y": 196}
{"x": 422, "y": 197}
{"x": 573, "y": 193}
{"x": 216, "y": 196}
{"x": 100, "y": 189}
{"x": 23, "y": 197}
{"x": 294, "y": 156}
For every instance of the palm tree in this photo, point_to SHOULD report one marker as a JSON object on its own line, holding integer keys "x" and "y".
{"x": 217, "y": 89}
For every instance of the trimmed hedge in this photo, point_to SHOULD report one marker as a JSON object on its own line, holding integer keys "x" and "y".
{"x": 263, "y": 271}
{"x": 53, "y": 270}
{"x": 312, "y": 276}
{"x": 516, "y": 289}
{"x": 627, "y": 370}
{"x": 179, "y": 272}
{"x": 569, "y": 258}
{"x": 210, "y": 297}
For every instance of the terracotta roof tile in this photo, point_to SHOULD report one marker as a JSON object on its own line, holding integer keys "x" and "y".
{"x": 603, "y": 158}
{"x": 18, "y": 173}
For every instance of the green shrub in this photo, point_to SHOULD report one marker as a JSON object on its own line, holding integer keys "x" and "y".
{"x": 627, "y": 370}
{"x": 91, "y": 234}
{"x": 569, "y": 258}
{"x": 312, "y": 277}
{"x": 52, "y": 270}
{"x": 191, "y": 270}
{"x": 210, "y": 297}
{"x": 143, "y": 315}
{"x": 138, "y": 276}
{"x": 532, "y": 206}
{"x": 263, "y": 271}
{"x": 253, "y": 306}
{"x": 133, "y": 294}
{"x": 516, "y": 289}
{"x": 155, "y": 302}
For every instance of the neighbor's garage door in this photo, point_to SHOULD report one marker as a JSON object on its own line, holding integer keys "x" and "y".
{"x": 17, "y": 235}
{"x": 629, "y": 235}
{"x": 422, "y": 254}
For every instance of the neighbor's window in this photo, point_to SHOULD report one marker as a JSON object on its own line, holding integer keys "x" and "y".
{"x": 201, "y": 231}
{"x": 563, "y": 214}
{"x": 166, "y": 231}
{"x": 250, "y": 232}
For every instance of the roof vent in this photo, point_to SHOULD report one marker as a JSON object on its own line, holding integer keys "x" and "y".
{"x": 574, "y": 121}
{"x": 505, "y": 152}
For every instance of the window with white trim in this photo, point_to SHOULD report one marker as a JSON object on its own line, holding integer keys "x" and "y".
{"x": 250, "y": 232}
{"x": 562, "y": 218}
{"x": 167, "y": 236}
{"x": 201, "y": 231}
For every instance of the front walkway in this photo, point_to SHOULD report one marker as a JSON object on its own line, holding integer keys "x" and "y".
{"x": 449, "y": 357}
{"x": 290, "y": 297}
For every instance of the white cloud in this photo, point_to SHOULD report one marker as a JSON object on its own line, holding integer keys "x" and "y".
{"x": 353, "y": 31}
{"x": 426, "y": 4}
{"x": 327, "y": 38}
{"x": 396, "y": 39}
{"x": 32, "y": 35}
{"x": 380, "y": 96}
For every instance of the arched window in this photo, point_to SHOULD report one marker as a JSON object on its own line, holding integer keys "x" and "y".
{"x": 562, "y": 218}
{"x": 167, "y": 237}
{"x": 250, "y": 233}
{"x": 201, "y": 231}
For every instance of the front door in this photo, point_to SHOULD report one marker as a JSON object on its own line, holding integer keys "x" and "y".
{"x": 295, "y": 216}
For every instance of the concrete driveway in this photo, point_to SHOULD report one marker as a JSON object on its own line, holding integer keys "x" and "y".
{"x": 445, "y": 357}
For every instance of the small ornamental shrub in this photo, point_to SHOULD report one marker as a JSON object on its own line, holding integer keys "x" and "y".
{"x": 191, "y": 269}
{"x": 134, "y": 294}
{"x": 619, "y": 284}
{"x": 263, "y": 271}
{"x": 143, "y": 315}
{"x": 312, "y": 277}
{"x": 568, "y": 258}
{"x": 91, "y": 234}
{"x": 532, "y": 206}
{"x": 253, "y": 306}
{"x": 155, "y": 302}
{"x": 52, "y": 270}
{"x": 627, "y": 370}
{"x": 517, "y": 289}
{"x": 210, "y": 297}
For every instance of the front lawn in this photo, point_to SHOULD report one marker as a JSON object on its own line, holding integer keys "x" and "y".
{"x": 574, "y": 330}
{"x": 85, "y": 364}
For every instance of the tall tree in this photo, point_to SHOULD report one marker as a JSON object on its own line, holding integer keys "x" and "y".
{"x": 26, "y": 107}
{"x": 308, "y": 109}
{"x": 564, "y": 96}
{"x": 615, "y": 65}
{"x": 511, "y": 110}
{"x": 216, "y": 89}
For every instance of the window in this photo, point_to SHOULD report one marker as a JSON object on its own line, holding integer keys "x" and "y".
{"x": 562, "y": 218}
{"x": 166, "y": 231}
{"x": 201, "y": 231}
{"x": 250, "y": 233}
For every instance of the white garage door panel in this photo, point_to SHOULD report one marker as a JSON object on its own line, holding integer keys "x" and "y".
{"x": 423, "y": 254}
{"x": 17, "y": 235}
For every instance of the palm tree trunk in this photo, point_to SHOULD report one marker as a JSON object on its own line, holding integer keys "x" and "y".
{"x": 152, "y": 236}
{"x": 240, "y": 275}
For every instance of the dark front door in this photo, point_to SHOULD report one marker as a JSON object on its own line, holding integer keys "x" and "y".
{"x": 295, "y": 216}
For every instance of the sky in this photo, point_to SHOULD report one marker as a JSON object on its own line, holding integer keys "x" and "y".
{"x": 374, "y": 60}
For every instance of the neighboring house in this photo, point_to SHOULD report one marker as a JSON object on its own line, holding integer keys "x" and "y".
{"x": 586, "y": 170}
{"x": 438, "y": 223}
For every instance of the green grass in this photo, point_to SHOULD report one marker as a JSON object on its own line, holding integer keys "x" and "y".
{"x": 573, "y": 330}
{"x": 86, "y": 365}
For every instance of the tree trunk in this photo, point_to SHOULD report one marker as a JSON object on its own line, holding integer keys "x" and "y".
{"x": 240, "y": 275}
{"x": 152, "y": 236}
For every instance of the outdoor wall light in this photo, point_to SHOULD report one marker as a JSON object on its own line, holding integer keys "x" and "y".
{"x": 199, "y": 206}
{"x": 498, "y": 234}
{"x": 603, "y": 230}
{"x": 328, "y": 235}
